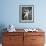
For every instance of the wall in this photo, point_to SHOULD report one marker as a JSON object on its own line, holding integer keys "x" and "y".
{"x": 10, "y": 13}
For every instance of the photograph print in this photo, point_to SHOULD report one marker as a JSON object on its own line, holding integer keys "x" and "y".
{"x": 26, "y": 13}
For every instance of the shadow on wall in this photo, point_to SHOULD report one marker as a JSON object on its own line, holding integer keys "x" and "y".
{"x": 2, "y": 26}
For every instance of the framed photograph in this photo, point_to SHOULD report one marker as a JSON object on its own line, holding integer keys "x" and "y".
{"x": 26, "y": 13}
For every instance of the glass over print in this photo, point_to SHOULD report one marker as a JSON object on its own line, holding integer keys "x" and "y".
{"x": 26, "y": 13}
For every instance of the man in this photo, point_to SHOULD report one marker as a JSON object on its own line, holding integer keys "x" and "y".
{"x": 26, "y": 14}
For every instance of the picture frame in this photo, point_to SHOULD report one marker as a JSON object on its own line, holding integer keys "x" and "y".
{"x": 26, "y": 13}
